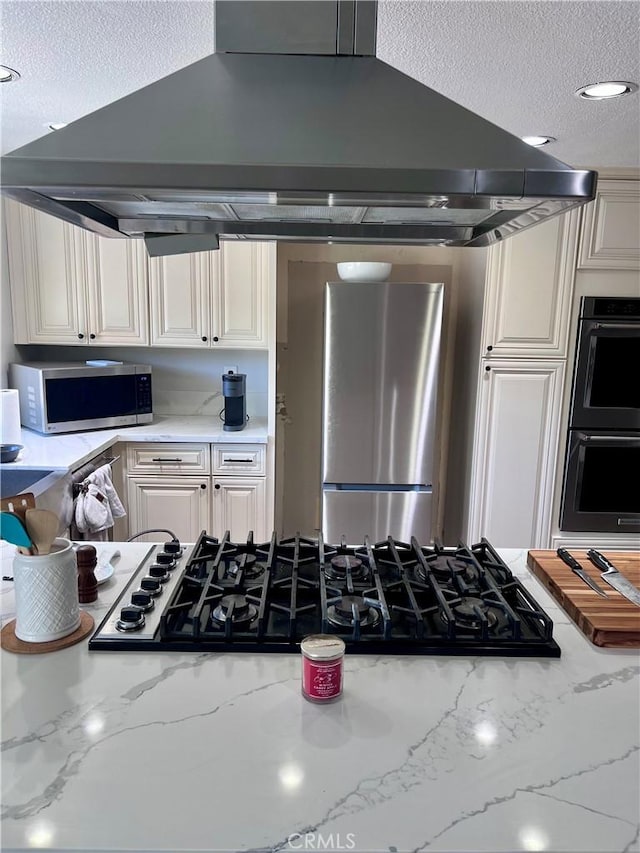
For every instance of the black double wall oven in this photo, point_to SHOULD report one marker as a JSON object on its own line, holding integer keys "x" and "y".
{"x": 601, "y": 491}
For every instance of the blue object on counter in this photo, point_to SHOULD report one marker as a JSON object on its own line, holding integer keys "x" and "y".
{"x": 9, "y": 452}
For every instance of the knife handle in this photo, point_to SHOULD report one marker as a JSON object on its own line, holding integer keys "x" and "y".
{"x": 566, "y": 557}
{"x": 600, "y": 561}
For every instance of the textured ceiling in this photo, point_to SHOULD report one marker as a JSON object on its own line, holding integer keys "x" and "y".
{"x": 519, "y": 64}
{"x": 514, "y": 62}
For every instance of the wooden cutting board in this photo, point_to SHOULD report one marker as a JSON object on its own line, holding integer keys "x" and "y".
{"x": 612, "y": 622}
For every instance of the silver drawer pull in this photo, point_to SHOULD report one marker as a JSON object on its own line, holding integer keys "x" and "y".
{"x": 167, "y": 459}
{"x": 234, "y": 459}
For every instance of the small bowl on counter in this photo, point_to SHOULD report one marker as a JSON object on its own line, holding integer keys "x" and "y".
{"x": 9, "y": 452}
{"x": 364, "y": 271}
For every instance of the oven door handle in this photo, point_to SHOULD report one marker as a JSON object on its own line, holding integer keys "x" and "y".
{"x": 609, "y": 439}
{"x": 634, "y": 326}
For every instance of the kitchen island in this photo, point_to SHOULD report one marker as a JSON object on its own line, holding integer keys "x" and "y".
{"x": 162, "y": 751}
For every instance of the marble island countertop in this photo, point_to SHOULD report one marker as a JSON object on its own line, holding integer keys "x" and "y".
{"x": 66, "y": 452}
{"x": 219, "y": 752}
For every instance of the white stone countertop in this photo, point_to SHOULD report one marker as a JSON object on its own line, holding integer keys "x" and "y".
{"x": 66, "y": 452}
{"x": 115, "y": 751}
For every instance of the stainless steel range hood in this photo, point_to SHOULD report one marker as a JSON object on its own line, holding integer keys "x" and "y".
{"x": 292, "y": 130}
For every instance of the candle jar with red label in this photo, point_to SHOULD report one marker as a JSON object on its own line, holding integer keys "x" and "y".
{"x": 322, "y": 665}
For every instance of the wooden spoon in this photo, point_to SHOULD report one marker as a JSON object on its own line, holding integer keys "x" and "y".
{"x": 18, "y": 504}
{"x": 42, "y": 526}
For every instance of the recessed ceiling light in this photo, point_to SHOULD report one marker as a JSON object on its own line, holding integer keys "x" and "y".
{"x": 57, "y": 125}
{"x": 609, "y": 89}
{"x": 7, "y": 74}
{"x": 537, "y": 141}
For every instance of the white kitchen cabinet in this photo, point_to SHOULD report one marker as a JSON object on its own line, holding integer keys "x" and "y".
{"x": 611, "y": 226}
{"x": 215, "y": 298}
{"x": 179, "y": 504}
{"x": 515, "y": 452}
{"x": 118, "y": 305}
{"x": 168, "y": 458}
{"x": 72, "y": 287}
{"x": 181, "y": 289}
{"x": 528, "y": 291}
{"x": 247, "y": 276}
{"x": 239, "y": 506}
{"x": 238, "y": 459}
{"x": 169, "y": 485}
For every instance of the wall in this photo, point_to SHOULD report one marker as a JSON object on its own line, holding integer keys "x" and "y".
{"x": 8, "y": 352}
{"x": 303, "y": 271}
{"x": 185, "y": 381}
{"x": 469, "y": 273}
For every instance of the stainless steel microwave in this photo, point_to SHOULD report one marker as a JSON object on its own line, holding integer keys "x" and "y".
{"x": 71, "y": 397}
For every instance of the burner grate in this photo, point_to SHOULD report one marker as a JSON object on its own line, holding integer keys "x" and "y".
{"x": 387, "y": 597}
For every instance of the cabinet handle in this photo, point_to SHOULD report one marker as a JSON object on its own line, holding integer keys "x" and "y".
{"x": 489, "y": 348}
{"x": 215, "y": 338}
{"x": 217, "y": 486}
{"x": 230, "y": 459}
{"x": 166, "y": 459}
{"x": 80, "y": 335}
{"x": 203, "y": 485}
{"x": 487, "y": 368}
{"x": 92, "y": 336}
{"x": 204, "y": 337}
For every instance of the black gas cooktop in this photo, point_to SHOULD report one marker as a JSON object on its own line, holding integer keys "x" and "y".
{"x": 381, "y": 598}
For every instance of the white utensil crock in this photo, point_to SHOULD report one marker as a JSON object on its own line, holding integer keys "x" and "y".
{"x": 46, "y": 591}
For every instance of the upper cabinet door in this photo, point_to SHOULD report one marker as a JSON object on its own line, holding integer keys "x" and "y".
{"x": 117, "y": 291}
{"x": 611, "y": 227}
{"x": 247, "y": 273}
{"x": 47, "y": 262}
{"x": 180, "y": 290}
{"x": 529, "y": 287}
{"x": 71, "y": 287}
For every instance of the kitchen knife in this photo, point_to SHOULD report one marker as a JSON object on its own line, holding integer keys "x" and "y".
{"x": 575, "y": 567}
{"x": 613, "y": 577}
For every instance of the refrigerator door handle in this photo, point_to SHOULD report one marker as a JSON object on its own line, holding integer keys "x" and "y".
{"x": 377, "y": 487}
{"x": 378, "y": 512}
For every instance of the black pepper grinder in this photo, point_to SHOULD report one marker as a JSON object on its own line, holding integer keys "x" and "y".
{"x": 87, "y": 560}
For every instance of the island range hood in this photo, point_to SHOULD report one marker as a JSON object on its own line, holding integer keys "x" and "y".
{"x": 292, "y": 130}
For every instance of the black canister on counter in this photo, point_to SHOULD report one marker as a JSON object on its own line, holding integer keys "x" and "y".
{"x": 86, "y": 558}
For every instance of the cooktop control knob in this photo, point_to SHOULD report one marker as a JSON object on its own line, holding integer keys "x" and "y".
{"x": 131, "y": 618}
{"x": 167, "y": 560}
{"x": 160, "y": 572}
{"x": 143, "y": 600}
{"x": 151, "y": 586}
{"x": 173, "y": 547}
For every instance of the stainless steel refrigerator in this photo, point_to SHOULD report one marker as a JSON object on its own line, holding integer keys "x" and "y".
{"x": 380, "y": 388}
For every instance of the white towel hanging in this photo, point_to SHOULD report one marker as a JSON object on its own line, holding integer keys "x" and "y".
{"x": 101, "y": 477}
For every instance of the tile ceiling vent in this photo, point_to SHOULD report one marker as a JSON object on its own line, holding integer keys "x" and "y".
{"x": 292, "y": 130}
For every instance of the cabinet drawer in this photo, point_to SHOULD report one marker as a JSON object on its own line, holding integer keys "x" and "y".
{"x": 238, "y": 458}
{"x": 152, "y": 458}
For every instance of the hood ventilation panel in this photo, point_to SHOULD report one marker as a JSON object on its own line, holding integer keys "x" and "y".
{"x": 292, "y": 130}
